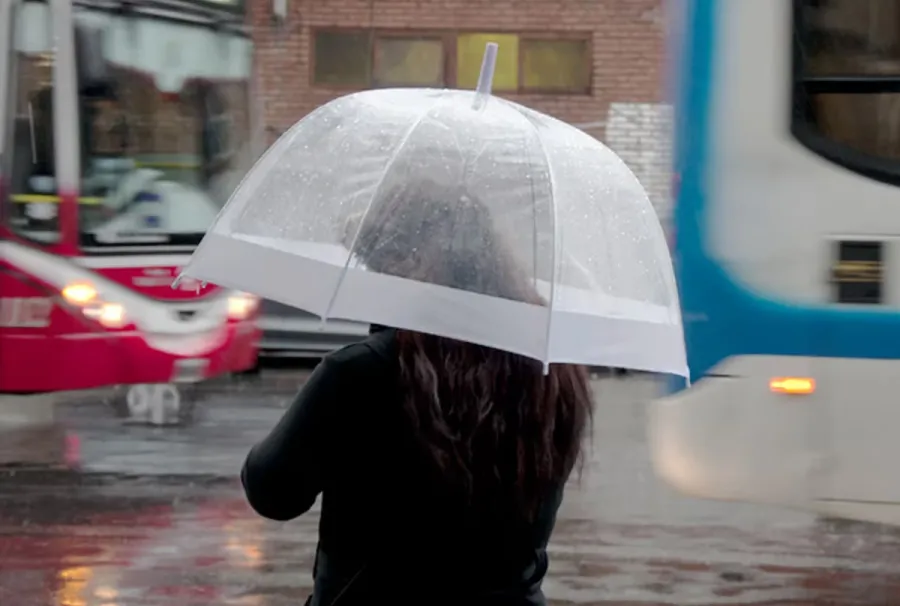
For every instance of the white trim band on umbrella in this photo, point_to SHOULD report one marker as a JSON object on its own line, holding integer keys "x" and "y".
{"x": 308, "y": 280}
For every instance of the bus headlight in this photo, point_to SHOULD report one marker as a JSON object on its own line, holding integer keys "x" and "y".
{"x": 80, "y": 294}
{"x": 241, "y": 305}
{"x": 110, "y": 315}
{"x": 85, "y": 296}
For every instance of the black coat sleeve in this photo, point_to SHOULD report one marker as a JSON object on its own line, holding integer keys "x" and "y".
{"x": 283, "y": 474}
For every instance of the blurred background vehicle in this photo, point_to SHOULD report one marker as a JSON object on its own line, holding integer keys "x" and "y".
{"x": 289, "y": 334}
{"x": 786, "y": 249}
{"x": 124, "y": 130}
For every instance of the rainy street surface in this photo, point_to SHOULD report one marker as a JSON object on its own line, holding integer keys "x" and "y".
{"x": 155, "y": 516}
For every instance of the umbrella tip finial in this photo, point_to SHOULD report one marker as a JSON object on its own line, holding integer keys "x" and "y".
{"x": 486, "y": 77}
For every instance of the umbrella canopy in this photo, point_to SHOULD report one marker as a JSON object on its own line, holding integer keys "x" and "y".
{"x": 459, "y": 214}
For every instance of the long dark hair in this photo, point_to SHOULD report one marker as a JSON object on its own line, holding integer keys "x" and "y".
{"x": 498, "y": 429}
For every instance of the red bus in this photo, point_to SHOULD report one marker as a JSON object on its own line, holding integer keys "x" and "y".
{"x": 124, "y": 128}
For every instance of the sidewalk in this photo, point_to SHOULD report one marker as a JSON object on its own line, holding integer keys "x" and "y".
{"x": 279, "y": 381}
{"x": 29, "y": 435}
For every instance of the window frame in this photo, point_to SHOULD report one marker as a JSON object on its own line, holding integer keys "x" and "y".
{"x": 449, "y": 41}
{"x": 804, "y": 85}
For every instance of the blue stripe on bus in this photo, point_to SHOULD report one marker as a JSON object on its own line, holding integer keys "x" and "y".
{"x": 723, "y": 318}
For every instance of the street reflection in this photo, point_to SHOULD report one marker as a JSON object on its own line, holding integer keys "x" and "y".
{"x": 128, "y": 549}
{"x": 153, "y": 518}
{"x": 107, "y": 594}
{"x": 244, "y": 550}
{"x": 73, "y": 583}
{"x": 215, "y": 551}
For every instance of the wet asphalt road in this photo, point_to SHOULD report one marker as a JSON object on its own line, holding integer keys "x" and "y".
{"x": 155, "y": 516}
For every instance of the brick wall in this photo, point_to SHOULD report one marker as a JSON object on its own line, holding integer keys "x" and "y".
{"x": 641, "y": 133}
{"x": 627, "y": 45}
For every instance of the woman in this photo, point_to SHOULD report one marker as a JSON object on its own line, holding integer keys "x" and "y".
{"x": 441, "y": 464}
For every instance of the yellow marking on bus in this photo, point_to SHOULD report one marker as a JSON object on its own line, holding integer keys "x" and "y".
{"x": 857, "y": 271}
{"x": 49, "y": 199}
{"x": 92, "y": 200}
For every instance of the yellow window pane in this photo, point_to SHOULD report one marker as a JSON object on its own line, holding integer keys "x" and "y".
{"x": 556, "y": 65}
{"x": 470, "y": 51}
{"x": 342, "y": 58}
{"x": 409, "y": 62}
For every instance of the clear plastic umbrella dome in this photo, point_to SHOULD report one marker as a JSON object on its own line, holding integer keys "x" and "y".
{"x": 456, "y": 214}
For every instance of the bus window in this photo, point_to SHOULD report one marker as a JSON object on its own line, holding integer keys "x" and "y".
{"x": 164, "y": 107}
{"x": 847, "y": 83}
{"x": 32, "y": 209}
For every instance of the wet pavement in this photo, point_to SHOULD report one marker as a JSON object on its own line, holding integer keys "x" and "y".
{"x": 155, "y": 516}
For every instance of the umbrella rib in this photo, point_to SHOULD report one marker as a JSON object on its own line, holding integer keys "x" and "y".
{"x": 556, "y": 239}
{"x": 365, "y": 215}
{"x": 554, "y": 257}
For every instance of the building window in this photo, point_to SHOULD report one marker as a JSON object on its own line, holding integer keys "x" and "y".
{"x": 408, "y": 62}
{"x": 470, "y": 52}
{"x": 525, "y": 63}
{"x": 556, "y": 65}
{"x": 847, "y": 83}
{"x": 342, "y": 58}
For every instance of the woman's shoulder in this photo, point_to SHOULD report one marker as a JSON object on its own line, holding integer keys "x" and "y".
{"x": 377, "y": 351}
{"x": 362, "y": 371}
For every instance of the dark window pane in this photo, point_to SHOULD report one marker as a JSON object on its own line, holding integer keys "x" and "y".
{"x": 342, "y": 58}
{"x": 869, "y": 124}
{"x": 850, "y": 37}
{"x": 847, "y": 89}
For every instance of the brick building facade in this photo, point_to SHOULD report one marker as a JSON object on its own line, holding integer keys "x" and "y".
{"x": 618, "y": 45}
{"x": 626, "y": 42}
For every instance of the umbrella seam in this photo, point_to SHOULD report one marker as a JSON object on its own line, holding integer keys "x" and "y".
{"x": 280, "y": 145}
{"x": 362, "y": 220}
{"x": 556, "y": 238}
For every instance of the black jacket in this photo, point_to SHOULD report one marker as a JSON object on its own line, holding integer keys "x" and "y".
{"x": 387, "y": 534}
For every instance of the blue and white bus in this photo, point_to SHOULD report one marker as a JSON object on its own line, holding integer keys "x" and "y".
{"x": 787, "y": 252}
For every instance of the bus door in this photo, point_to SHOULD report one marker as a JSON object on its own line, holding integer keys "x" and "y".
{"x": 40, "y": 129}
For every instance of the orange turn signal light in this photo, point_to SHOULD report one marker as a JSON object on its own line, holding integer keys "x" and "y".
{"x": 795, "y": 386}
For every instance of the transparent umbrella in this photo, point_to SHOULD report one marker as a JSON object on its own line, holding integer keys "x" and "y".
{"x": 459, "y": 214}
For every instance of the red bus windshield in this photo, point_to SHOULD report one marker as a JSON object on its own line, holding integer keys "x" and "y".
{"x": 165, "y": 133}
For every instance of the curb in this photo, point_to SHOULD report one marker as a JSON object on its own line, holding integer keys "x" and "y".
{"x": 266, "y": 382}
